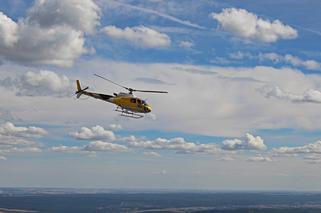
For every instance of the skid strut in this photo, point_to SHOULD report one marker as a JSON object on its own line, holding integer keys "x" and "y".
{"x": 128, "y": 113}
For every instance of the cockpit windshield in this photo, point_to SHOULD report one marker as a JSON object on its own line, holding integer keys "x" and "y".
{"x": 144, "y": 102}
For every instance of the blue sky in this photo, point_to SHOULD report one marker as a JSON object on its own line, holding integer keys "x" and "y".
{"x": 243, "y": 104}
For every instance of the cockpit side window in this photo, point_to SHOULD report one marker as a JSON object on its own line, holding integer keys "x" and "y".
{"x": 138, "y": 101}
{"x": 144, "y": 102}
{"x": 133, "y": 100}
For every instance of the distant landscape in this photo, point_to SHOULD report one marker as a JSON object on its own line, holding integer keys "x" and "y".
{"x": 30, "y": 200}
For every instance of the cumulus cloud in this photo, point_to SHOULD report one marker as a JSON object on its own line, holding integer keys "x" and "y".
{"x": 311, "y": 153}
{"x": 51, "y": 33}
{"x": 260, "y": 158}
{"x": 94, "y": 146}
{"x": 14, "y": 139}
{"x": 290, "y": 59}
{"x": 101, "y": 146}
{"x": 250, "y": 143}
{"x": 48, "y": 13}
{"x": 8, "y": 31}
{"x": 140, "y": 35}
{"x": 186, "y": 44}
{"x": 42, "y": 83}
{"x": 312, "y": 148}
{"x": 276, "y": 58}
{"x": 309, "y": 64}
{"x": 93, "y": 133}
{"x": 249, "y": 26}
{"x": 309, "y": 96}
{"x": 176, "y": 144}
{"x": 9, "y": 129}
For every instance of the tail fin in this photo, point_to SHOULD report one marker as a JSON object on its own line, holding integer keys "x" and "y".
{"x": 78, "y": 86}
{"x": 79, "y": 91}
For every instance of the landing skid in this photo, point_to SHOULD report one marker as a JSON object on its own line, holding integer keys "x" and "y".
{"x": 128, "y": 113}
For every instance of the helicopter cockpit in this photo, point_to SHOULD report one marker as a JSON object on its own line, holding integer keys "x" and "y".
{"x": 138, "y": 101}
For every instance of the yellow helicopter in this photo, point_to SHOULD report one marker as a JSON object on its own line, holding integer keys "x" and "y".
{"x": 127, "y": 104}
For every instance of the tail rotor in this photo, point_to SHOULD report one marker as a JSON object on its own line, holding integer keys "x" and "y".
{"x": 80, "y": 91}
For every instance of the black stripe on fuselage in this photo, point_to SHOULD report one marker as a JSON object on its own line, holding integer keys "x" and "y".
{"x": 103, "y": 97}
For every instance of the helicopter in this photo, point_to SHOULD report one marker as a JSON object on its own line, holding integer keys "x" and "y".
{"x": 127, "y": 104}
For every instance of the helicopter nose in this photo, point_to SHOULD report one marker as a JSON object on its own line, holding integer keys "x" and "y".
{"x": 148, "y": 109}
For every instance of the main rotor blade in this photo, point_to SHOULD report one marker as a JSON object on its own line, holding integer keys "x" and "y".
{"x": 130, "y": 89}
{"x": 106, "y": 79}
{"x": 152, "y": 91}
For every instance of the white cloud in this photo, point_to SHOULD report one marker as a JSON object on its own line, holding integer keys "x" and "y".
{"x": 15, "y": 139}
{"x": 176, "y": 144}
{"x": 311, "y": 153}
{"x": 3, "y": 158}
{"x": 309, "y": 96}
{"x": 309, "y": 64}
{"x": 140, "y": 35}
{"x": 94, "y": 133}
{"x": 186, "y": 44}
{"x": 51, "y": 33}
{"x": 101, "y": 146}
{"x": 8, "y": 31}
{"x": 274, "y": 57}
{"x": 220, "y": 61}
{"x": 232, "y": 144}
{"x": 9, "y": 129}
{"x": 290, "y": 59}
{"x": 42, "y": 83}
{"x": 23, "y": 150}
{"x": 92, "y": 147}
{"x": 81, "y": 15}
{"x": 241, "y": 55}
{"x": 312, "y": 148}
{"x": 260, "y": 158}
{"x": 247, "y": 25}
{"x": 213, "y": 86}
{"x": 277, "y": 59}
{"x": 251, "y": 143}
